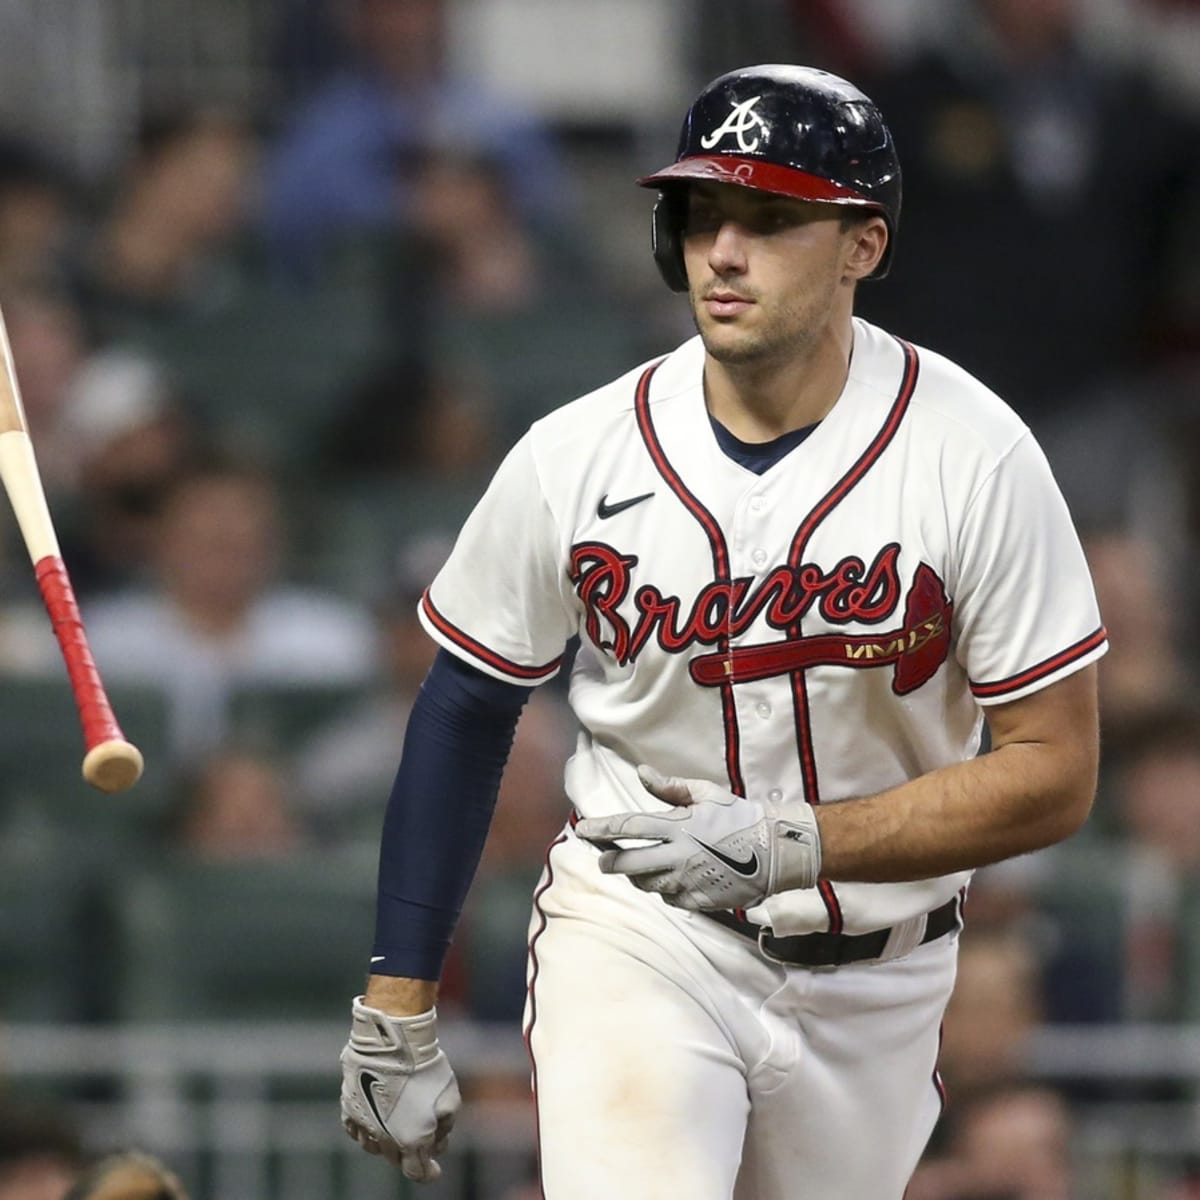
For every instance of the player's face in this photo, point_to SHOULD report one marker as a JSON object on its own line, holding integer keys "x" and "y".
{"x": 765, "y": 272}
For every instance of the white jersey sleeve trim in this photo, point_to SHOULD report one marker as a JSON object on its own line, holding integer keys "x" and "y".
{"x": 463, "y": 646}
{"x": 1051, "y": 670}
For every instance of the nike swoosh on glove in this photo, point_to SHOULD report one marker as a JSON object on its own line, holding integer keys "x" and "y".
{"x": 714, "y": 850}
{"x": 399, "y": 1094}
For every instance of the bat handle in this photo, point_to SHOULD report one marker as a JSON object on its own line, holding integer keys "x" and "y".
{"x": 111, "y": 763}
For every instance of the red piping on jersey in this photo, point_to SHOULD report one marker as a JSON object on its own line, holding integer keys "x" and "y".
{"x": 939, "y": 1084}
{"x": 720, "y": 557}
{"x": 1046, "y": 667}
{"x": 480, "y": 651}
{"x": 831, "y": 499}
{"x": 533, "y": 975}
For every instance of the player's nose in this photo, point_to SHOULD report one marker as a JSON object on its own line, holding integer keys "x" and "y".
{"x": 727, "y": 254}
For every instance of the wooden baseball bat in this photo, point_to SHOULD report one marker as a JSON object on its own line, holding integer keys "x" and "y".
{"x": 110, "y": 763}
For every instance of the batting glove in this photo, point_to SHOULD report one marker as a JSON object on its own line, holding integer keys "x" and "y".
{"x": 715, "y": 850}
{"x": 399, "y": 1095}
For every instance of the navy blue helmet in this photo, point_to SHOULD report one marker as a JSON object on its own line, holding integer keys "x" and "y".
{"x": 793, "y": 131}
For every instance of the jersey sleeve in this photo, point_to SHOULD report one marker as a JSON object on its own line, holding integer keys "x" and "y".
{"x": 1025, "y": 609}
{"x": 502, "y": 601}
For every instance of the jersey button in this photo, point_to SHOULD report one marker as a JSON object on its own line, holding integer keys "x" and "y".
{"x": 757, "y": 504}
{"x": 763, "y": 709}
{"x": 758, "y": 558}
{"x": 775, "y": 795}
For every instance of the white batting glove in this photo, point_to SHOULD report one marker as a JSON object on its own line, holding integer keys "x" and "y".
{"x": 716, "y": 850}
{"x": 399, "y": 1095}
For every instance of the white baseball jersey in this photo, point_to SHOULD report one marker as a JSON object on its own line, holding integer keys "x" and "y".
{"x": 825, "y": 630}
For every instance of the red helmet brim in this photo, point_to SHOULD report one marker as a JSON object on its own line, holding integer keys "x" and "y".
{"x": 757, "y": 174}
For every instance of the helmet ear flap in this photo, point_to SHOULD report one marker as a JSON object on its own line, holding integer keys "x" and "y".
{"x": 666, "y": 238}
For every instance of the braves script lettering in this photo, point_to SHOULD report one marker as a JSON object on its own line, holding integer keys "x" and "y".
{"x": 851, "y": 592}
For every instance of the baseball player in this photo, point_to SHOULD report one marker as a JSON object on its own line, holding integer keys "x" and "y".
{"x": 805, "y": 561}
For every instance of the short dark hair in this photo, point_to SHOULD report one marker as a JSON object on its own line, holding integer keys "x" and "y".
{"x": 127, "y": 1175}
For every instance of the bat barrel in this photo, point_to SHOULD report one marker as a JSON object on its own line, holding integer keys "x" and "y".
{"x": 113, "y": 766}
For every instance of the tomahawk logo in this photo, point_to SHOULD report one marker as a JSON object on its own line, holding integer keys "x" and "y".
{"x": 741, "y": 121}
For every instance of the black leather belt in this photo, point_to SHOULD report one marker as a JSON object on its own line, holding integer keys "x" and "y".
{"x": 832, "y": 949}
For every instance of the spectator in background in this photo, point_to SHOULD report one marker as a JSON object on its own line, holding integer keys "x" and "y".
{"x": 412, "y": 414}
{"x": 237, "y": 806}
{"x": 48, "y": 347}
{"x": 1145, "y": 669}
{"x": 129, "y": 1175}
{"x": 1160, "y": 791}
{"x": 492, "y": 319}
{"x": 166, "y": 246}
{"x": 130, "y": 439}
{"x": 1051, "y": 187}
{"x": 35, "y": 216}
{"x": 484, "y": 257}
{"x": 41, "y": 1153}
{"x": 333, "y": 170}
{"x": 1007, "y": 1142}
{"x": 995, "y": 1007}
{"x": 344, "y": 772}
{"x": 216, "y": 616}
{"x": 517, "y": 309}
{"x": 1157, "y": 803}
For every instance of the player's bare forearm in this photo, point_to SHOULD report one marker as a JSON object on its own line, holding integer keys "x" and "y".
{"x": 1035, "y": 788}
{"x": 400, "y": 997}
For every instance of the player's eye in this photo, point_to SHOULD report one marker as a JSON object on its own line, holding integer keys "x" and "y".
{"x": 773, "y": 218}
{"x": 702, "y": 218}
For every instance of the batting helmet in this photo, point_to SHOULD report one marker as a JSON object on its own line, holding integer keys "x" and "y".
{"x": 793, "y": 131}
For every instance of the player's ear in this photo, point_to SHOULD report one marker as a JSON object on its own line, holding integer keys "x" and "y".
{"x": 866, "y": 241}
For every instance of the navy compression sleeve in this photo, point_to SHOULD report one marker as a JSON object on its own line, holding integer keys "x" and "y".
{"x": 459, "y": 735}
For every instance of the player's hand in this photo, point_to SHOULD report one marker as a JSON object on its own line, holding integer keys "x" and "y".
{"x": 715, "y": 850}
{"x": 399, "y": 1095}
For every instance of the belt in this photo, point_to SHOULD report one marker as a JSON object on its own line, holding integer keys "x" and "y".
{"x": 832, "y": 949}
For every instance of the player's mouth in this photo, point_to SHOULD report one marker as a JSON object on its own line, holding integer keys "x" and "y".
{"x": 724, "y": 303}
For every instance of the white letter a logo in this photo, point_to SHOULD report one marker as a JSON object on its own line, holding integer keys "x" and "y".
{"x": 741, "y": 120}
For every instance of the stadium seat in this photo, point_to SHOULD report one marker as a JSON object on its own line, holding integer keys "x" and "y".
{"x": 278, "y": 717}
{"x": 355, "y": 532}
{"x": 43, "y": 972}
{"x": 42, "y": 749}
{"x": 1082, "y": 902}
{"x": 242, "y": 940}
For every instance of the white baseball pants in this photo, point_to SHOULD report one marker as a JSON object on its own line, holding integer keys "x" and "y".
{"x": 671, "y": 1061}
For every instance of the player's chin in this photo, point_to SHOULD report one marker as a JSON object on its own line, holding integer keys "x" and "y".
{"x": 729, "y": 345}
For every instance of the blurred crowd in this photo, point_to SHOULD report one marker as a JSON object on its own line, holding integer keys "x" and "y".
{"x": 269, "y": 355}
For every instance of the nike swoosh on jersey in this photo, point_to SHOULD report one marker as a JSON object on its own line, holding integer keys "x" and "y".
{"x": 605, "y": 510}
{"x": 366, "y": 1081}
{"x": 743, "y": 866}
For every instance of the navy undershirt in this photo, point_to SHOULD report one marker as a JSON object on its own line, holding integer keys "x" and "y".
{"x": 757, "y": 456}
{"x": 458, "y": 740}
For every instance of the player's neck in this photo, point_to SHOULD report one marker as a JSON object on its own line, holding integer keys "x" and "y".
{"x": 760, "y": 401}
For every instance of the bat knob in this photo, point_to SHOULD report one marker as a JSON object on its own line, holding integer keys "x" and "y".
{"x": 113, "y": 766}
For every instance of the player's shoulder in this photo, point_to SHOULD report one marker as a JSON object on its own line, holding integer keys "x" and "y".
{"x": 948, "y": 404}
{"x": 588, "y": 420}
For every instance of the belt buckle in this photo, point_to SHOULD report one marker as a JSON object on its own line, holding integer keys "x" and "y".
{"x": 764, "y": 932}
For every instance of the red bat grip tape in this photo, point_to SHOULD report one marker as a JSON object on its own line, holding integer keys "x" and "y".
{"x": 95, "y": 712}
